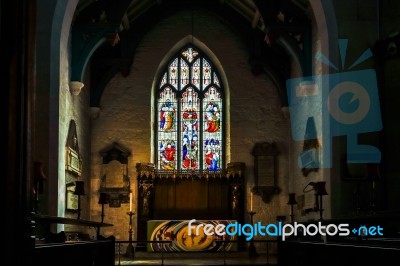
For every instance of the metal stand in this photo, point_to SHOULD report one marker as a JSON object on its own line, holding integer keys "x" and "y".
{"x": 79, "y": 207}
{"x": 321, "y": 210}
{"x": 252, "y": 247}
{"x": 372, "y": 197}
{"x": 36, "y": 202}
{"x": 102, "y": 213}
{"x": 291, "y": 213}
{"x": 130, "y": 251}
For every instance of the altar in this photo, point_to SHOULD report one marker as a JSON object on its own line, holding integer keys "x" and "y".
{"x": 168, "y": 200}
{"x": 177, "y": 231}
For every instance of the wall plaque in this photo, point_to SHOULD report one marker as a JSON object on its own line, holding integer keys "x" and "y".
{"x": 265, "y": 170}
{"x": 73, "y": 160}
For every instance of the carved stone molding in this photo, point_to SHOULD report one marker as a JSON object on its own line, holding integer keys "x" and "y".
{"x": 147, "y": 170}
{"x": 75, "y": 87}
{"x": 235, "y": 169}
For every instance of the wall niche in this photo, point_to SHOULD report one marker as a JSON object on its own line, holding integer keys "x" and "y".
{"x": 114, "y": 181}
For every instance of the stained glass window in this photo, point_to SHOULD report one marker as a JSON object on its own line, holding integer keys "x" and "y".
{"x": 190, "y": 108}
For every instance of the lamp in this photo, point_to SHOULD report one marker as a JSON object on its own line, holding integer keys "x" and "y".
{"x": 319, "y": 192}
{"x": 292, "y": 201}
{"x": 103, "y": 200}
{"x": 38, "y": 179}
{"x": 79, "y": 191}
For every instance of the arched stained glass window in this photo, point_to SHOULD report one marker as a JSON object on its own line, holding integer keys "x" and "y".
{"x": 190, "y": 108}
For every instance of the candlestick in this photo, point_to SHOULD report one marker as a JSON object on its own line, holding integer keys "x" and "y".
{"x": 130, "y": 251}
{"x": 251, "y": 201}
{"x": 130, "y": 202}
{"x": 252, "y": 247}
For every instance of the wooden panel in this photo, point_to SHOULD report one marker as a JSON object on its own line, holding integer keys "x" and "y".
{"x": 164, "y": 193}
{"x": 218, "y": 195}
{"x": 188, "y": 199}
{"x": 191, "y": 195}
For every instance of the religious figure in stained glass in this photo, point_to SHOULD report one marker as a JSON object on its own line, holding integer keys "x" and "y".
{"x": 212, "y": 116}
{"x": 212, "y": 157}
{"x": 167, "y": 115}
{"x": 167, "y": 154}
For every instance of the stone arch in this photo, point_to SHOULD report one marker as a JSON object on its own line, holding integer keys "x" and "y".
{"x": 53, "y": 26}
{"x": 325, "y": 20}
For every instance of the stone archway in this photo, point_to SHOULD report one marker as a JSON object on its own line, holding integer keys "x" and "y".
{"x": 53, "y": 24}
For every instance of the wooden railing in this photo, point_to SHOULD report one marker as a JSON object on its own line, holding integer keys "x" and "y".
{"x": 251, "y": 247}
{"x": 137, "y": 244}
{"x": 259, "y": 252}
{"x": 47, "y": 220}
{"x": 57, "y": 250}
{"x": 79, "y": 253}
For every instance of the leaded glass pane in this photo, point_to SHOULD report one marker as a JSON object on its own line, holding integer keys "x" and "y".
{"x": 184, "y": 73}
{"x": 167, "y": 129}
{"x": 196, "y": 74}
{"x": 190, "y": 54}
{"x": 206, "y": 73}
{"x": 216, "y": 80}
{"x": 190, "y": 106}
{"x": 212, "y": 124}
{"x": 173, "y": 73}
{"x": 163, "y": 80}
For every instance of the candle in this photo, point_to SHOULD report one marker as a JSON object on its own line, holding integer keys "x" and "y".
{"x": 130, "y": 201}
{"x": 251, "y": 201}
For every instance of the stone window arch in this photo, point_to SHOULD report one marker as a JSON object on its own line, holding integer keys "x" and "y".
{"x": 190, "y": 114}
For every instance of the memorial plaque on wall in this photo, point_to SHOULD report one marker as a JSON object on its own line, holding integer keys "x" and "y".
{"x": 266, "y": 170}
{"x": 265, "y": 164}
{"x": 71, "y": 198}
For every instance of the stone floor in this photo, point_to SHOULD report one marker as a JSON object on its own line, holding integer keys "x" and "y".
{"x": 229, "y": 258}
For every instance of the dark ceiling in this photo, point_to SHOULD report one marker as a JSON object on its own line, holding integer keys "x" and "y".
{"x": 124, "y": 22}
